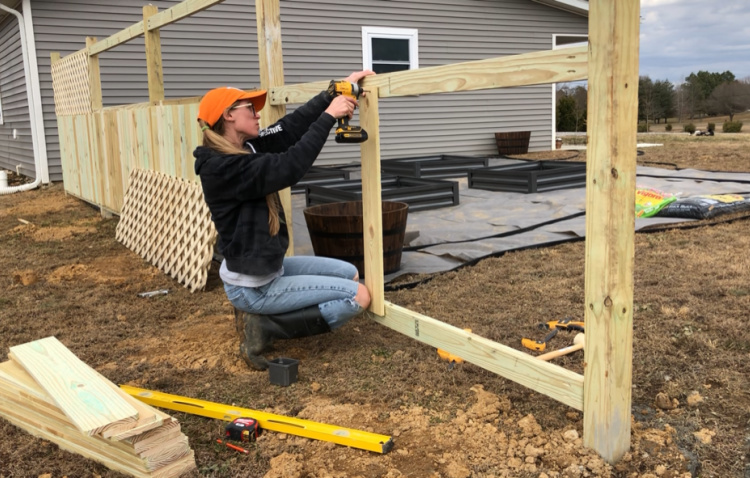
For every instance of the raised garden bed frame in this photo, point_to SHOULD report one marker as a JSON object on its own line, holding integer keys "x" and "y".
{"x": 419, "y": 194}
{"x": 318, "y": 175}
{"x": 531, "y": 177}
{"x": 438, "y": 166}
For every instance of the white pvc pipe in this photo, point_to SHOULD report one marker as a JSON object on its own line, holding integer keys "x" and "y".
{"x": 36, "y": 95}
{"x": 32, "y": 116}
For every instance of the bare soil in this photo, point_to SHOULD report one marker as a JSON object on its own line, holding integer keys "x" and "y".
{"x": 65, "y": 275}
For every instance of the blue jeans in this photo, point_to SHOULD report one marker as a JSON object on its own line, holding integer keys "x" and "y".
{"x": 307, "y": 280}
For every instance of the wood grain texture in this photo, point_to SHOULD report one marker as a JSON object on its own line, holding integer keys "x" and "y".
{"x": 610, "y": 225}
{"x": 542, "y": 67}
{"x": 76, "y": 388}
{"x": 543, "y": 377}
{"x": 183, "y": 9}
{"x": 372, "y": 205}
{"x": 153, "y": 57}
{"x": 171, "y": 15}
{"x": 271, "y": 59}
{"x": 95, "y": 80}
{"x": 159, "y": 451}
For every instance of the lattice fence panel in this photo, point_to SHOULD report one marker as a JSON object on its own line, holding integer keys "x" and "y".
{"x": 70, "y": 83}
{"x": 166, "y": 221}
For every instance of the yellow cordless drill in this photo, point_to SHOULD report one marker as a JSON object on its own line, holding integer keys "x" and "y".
{"x": 345, "y": 133}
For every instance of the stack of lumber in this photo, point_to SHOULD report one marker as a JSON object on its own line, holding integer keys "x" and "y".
{"x": 50, "y": 393}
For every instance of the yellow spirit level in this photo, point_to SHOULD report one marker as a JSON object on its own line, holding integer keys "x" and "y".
{"x": 268, "y": 421}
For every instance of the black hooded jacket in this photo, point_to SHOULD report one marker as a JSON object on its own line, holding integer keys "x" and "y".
{"x": 235, "y": 185}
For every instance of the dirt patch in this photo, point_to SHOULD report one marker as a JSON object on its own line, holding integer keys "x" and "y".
{"x": 690, "y": 413}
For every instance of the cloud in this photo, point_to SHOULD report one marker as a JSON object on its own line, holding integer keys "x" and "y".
{"x": 679, "y": 37}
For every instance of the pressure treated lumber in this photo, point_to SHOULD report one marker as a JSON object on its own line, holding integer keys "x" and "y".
{"x": 171, "y": 15}
{"x": 610, "y": 225}
{"x": 372, "y": 204}
{"x": 159, "y": 451}
{"x": 270, "y": 58}
{"x": 543, "y": 377}
{"x": 17, "y": 385}
{"x": 153, "y": 57}
{"x": 147, "y": 419}
{"x": 95, "y": 80}
{"x": 76, "y": 388}
{"x": 542, "y": 67}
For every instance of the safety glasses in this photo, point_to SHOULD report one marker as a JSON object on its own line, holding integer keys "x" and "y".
{"x": 246, "y": 105}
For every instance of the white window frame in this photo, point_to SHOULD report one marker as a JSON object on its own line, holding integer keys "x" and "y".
{"x": 368, "y": 33}
{"x": 555, "y": 46}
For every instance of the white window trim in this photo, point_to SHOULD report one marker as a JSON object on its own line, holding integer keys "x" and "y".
{"x": 555, "y": 46}
{"x": 1, "y": 111}
{"x": 368, "y": 33}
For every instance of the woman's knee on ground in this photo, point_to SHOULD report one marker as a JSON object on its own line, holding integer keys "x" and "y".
{"x": 363, "y": 296}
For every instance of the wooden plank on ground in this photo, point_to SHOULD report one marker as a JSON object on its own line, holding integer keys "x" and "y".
{"x": 540, "y": 376}
{"x": 14, "y": 376}
{"x": 160, "y": 451}
{"x": 76, "y": 388}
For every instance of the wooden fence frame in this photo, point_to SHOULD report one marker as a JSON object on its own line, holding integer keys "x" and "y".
{"x": 610, "y": 62}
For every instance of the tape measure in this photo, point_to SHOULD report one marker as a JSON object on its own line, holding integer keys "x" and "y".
{"x": 242, "y": 429}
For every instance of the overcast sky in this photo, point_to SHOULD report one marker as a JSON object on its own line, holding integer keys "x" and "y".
{"x": 679, "y": 37}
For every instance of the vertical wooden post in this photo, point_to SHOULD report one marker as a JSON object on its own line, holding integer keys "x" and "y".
{"x": 153, "y": 56}
{"x": 54, "y": 57}
{"x": 95, "y": 96}
{"x": 610, "y": 225}
{"x": 271, "y": 59}
{"x": 372, "y": 212}
{"x": 95, "y": 80}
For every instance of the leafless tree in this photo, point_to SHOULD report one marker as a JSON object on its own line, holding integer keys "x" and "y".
{"x": 730, "y": 98}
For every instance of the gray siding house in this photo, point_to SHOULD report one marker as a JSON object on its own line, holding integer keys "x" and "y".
{"x": 218, "y": 47}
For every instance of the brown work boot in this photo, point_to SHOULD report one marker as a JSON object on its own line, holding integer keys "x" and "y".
{"x": 254, "y": 339}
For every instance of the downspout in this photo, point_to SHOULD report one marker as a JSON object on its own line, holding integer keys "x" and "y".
{"x": 32, "y": 115}
{"x": 36, "y": 93}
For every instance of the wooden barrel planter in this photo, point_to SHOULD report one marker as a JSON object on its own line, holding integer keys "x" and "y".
{"x": 336, "y": 231}
{"x": 514, "y": 142}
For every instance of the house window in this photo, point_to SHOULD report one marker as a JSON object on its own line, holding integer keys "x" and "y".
{"x": 385, "y": 50}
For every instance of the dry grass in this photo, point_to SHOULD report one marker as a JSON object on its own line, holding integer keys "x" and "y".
{"x": 66, "y": 276}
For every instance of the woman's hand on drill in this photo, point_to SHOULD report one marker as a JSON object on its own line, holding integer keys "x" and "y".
{"x": 358, "y": 75}
{"x": 342, "y": 106}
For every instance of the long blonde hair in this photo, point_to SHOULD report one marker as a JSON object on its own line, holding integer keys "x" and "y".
{"x": 214, "y": 138}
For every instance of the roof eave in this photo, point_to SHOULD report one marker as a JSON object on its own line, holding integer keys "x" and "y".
{"x": 579, "y": 7}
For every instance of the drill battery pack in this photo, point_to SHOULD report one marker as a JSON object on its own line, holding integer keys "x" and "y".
{"x": 242, "y": 429}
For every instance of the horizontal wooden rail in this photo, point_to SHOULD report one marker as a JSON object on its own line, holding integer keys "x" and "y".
{"x": 171, "y": 15}
{"x": 541, "y": 67}
{"x": 522, "y": 368}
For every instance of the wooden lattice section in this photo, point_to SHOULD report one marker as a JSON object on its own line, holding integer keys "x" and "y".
{"x": 70, "y": 83}
{"x": 166, "y": 221}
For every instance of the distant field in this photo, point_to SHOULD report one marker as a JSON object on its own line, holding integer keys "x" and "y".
{"x": 677, "y": 128}
{"x": 702, "y": 123}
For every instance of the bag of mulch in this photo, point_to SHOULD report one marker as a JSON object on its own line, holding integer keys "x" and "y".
{"x": 649, "y": 201}
{"x": 707, "y": 206}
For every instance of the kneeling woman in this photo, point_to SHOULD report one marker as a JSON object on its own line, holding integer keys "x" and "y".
{"x": 241, "y": 170}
